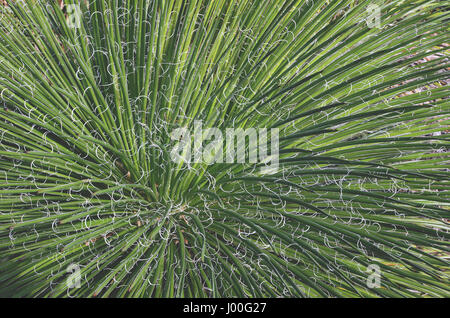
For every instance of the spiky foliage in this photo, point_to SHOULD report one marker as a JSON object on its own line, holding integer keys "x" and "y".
{"x": 86, "y": 175}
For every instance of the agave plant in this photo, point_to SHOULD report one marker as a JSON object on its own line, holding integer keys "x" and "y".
{"x": 92, "y": 91}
